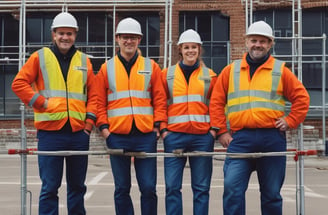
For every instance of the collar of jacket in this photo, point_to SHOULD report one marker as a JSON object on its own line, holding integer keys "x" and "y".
{"x": 127, "y": 64}
{"x": 59, "y": 55}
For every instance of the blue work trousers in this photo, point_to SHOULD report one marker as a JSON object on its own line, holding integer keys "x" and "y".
{"x": 51, "y": 171}
{"x": 145, "y": 168}
{"x": 200, "y": 169}
{"x": 270, "y": 170}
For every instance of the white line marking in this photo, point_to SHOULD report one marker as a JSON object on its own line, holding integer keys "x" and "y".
{"x": 88, "y": 195}
{"x": 96, "y": 179}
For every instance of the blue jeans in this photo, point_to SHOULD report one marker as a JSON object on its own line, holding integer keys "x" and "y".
{"x": 270, "y": 170}
{"x": 51, "y": 171}
{"x": 145, "y": 168}
{"x": 200, "y": 167}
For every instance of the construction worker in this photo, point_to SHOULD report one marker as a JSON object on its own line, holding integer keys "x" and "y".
{"x": 188, "y": 86}
{"x": 65, "y": 104}
{"x": 131, "y": 107}
{"x": 254, "y": 90}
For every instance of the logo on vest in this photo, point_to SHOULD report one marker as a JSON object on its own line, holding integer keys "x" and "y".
{"x": 141, "y": 72}
{"x": 81, "y": 68}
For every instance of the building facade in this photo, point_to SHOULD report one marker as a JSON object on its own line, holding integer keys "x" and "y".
{"x": 220, "y": 23}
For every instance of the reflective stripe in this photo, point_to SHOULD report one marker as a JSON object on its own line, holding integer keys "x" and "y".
{"x": 149, "y": 69}
{"x": 129, "y": 111}
{"x": 63, "y": 94}
{"x": 170, "y": 80}
{"x": 188, "y": 98}
{"x": 85, "y": 75}
{"x": 276, "y": 74}
{"x": 236, "y": 78}
{"x": 125, "y": 94}
{"x": 77, "y": 115}
{"x": 111, "y": 76}
{"x": 91, "y": 115}
{"x": 50, "y": 116}
{"x": 257, "y": 104}
{"x": 188, "y": 118}
{"x": 254, "y": 93}
{"x": 207, "y": 81}
{"x": 58, "y": 116}
{"x": 34, "y": 98}
{"x": 44, "y": 68}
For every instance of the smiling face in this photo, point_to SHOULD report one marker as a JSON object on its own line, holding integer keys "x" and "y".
{"x": 64, "y": 38}
{"x": 190, "y": 53}
{"x": 258, "y": 46}
{"x": 128, "y": 44}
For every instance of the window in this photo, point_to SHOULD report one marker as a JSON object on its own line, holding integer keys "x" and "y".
{"x": 95, "y": 37}
{"x": 213, "y": 29}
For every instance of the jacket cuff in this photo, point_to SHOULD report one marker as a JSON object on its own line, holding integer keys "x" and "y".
{"x": 104, "y": 126}
{"x": 163, "y": 130}
{"x": 88, "y": 126}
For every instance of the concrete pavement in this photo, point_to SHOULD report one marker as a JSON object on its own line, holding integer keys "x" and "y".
{"x": 99, "y": 197}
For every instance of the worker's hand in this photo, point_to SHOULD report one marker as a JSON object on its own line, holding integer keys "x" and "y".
{"x": 225, "y": 139}
{"x": 105, "y": 133}
{"x": 281, "y": 124}
{"x": 87, "y": 132}
{"x": 157, "y": 132}
{"x": 213, "y": 133}
{"x": 164, "y": 134}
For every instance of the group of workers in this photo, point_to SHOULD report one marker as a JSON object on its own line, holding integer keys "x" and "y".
{"x": 133, "y": 102}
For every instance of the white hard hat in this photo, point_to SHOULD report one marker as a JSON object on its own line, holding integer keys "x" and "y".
{"x": 128, "y": 26}
{"x": 189, "y": 36}
{"x": 64, "y": 19}
{"x": 260, "y": 28}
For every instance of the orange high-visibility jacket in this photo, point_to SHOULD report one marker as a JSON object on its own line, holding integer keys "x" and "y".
{"x": 122, "y": 98}
{"x": 188, "y": 103}
{"x": 257, "y": 102}
{"x": 71, "y": 100}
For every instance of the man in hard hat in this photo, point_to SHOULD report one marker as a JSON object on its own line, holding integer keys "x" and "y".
{"x": 253, "y": 91}
{"x": 188, "y": 85}
{"x": 65, "y": 104}
{"x": 131, "y": 107}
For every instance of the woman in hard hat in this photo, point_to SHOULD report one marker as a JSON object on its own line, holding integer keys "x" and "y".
{"x": 252, "y": 92}
{"x": 188, "y": 86}
{"x": 131, "y": 106}
{"x": 65, "y": 106}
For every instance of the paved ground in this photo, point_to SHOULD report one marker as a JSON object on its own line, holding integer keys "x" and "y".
{"x": 99, "y": 197}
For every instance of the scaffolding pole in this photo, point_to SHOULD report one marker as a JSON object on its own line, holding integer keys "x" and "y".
{"x": 324, "y": 93}
{"x": 300, "y": 174}
{"x": 22, "y": 51}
